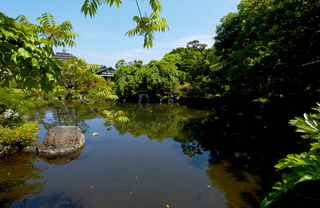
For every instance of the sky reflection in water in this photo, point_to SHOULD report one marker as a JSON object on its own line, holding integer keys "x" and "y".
{"x": 131, "y": 169}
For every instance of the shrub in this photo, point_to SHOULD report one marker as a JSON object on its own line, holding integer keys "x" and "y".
{"x": 9, "y": 116}
{"x": 17, "y": 137}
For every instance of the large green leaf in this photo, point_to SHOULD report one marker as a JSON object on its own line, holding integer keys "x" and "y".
{"x": 23, "y": 53}
{"x": 35, "y": 63}
{"x": 304, "y": 166}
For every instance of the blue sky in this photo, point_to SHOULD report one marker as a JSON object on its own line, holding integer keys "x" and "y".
{"x": 102, "y": 38}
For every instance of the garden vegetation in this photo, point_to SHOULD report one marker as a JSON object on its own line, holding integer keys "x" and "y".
{"x": 265, "y": 56}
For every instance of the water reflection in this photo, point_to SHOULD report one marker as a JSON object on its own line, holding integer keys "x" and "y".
{"x": 156, "y": 121}
{"x": 75, "y": 114}
{"x": 239, "y": 193}
{"x": 54, "y": 200}
{"x": 61, "y": 159}
{"x": 19, "y": 178}
{"x": 163, "y": 156}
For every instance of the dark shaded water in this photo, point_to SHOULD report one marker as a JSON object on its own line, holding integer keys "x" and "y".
{"x": 161, "y": 158}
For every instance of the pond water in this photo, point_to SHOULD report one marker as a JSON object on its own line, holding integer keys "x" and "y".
{"x": 153, "y": 161}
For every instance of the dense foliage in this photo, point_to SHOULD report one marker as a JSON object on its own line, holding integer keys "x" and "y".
{"x": 27, "y": 64}
{"x": 17, "y": 137}
{"x": 15, "y": 132}
{"x": 158, "y": 77}
{"x": 195, "y": 62}
{"x": 270, "y": 48}
{"x": 265, "y": 56}
{"x": 26, "y": 51}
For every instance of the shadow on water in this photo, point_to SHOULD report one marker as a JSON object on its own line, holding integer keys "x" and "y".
{"x": 246, "y": 144}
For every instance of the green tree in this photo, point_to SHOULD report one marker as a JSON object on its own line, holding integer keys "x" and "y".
{"x": 192, "y": 58}
{"x": 126, "y": 79}
{"x": 166, "y": 78}
{"x": 146, "y": 25}
{"x": 270, "y": 48}
{"x": 195, "y": 62}
{"x": 160, "y": 77}
{"x": 26, "y": 51}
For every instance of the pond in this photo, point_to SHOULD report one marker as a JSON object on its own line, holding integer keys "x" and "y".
{"x": 157, "y": 160}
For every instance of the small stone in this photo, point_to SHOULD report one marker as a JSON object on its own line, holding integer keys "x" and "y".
{"x": 95, "y": 134}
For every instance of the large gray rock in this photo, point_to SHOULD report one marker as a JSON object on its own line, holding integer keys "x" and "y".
{"x": 61, "y": 139}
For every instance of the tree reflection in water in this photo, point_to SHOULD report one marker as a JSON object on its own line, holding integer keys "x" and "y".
{"x": 232, "y": 162}
{"x": 18, "y": 178}
{"x": 156, "y": 121}
{"x": 186, "y": 127}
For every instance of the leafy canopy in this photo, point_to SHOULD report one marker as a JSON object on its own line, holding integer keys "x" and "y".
{"x": 195, "y": 62}
{"x": 26, "y": 51}
{"x": 158, "y": 76}
{"x": 271, "y": 48}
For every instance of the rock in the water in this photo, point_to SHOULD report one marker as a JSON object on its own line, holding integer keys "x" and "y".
{"x": 61, "y": 139}
{"x": 95, "y": 134}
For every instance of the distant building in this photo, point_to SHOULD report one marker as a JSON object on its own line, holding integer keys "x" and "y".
{"x": 107, "y": 73}
{"x": 63, "y": 56}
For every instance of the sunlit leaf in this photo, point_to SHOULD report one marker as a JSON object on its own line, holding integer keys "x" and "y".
{"x": 22, "y": 52}
{"x": 35, "y": 63}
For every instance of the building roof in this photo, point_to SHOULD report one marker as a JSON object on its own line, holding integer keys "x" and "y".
{"x": 62, "y": 56}
{"x": 105, "y": 69}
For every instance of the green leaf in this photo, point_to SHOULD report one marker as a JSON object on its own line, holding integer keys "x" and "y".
{"x": 10, "y": 35}
{"x": 155, "y": 5}
{"x": 90, "y": 7}
{"x": 106, "y": 112}
{"x": 270, "y": 198}
{"x": 22, "y": 52}
{"x": 146, "y": 26}
{"x": 122, "y": 119}
{"x": 290, "y": 179}
{"x": 315, "y": 145}
{"x": 278, "y": 186}
{"x": 118, "y": 113}
{"x": 14, "y": 58}
{"x": 35, "y": 63}
{"x": 50, "y": 77}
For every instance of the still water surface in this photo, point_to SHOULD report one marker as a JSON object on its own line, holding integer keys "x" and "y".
{"x": 151, "y": 162}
